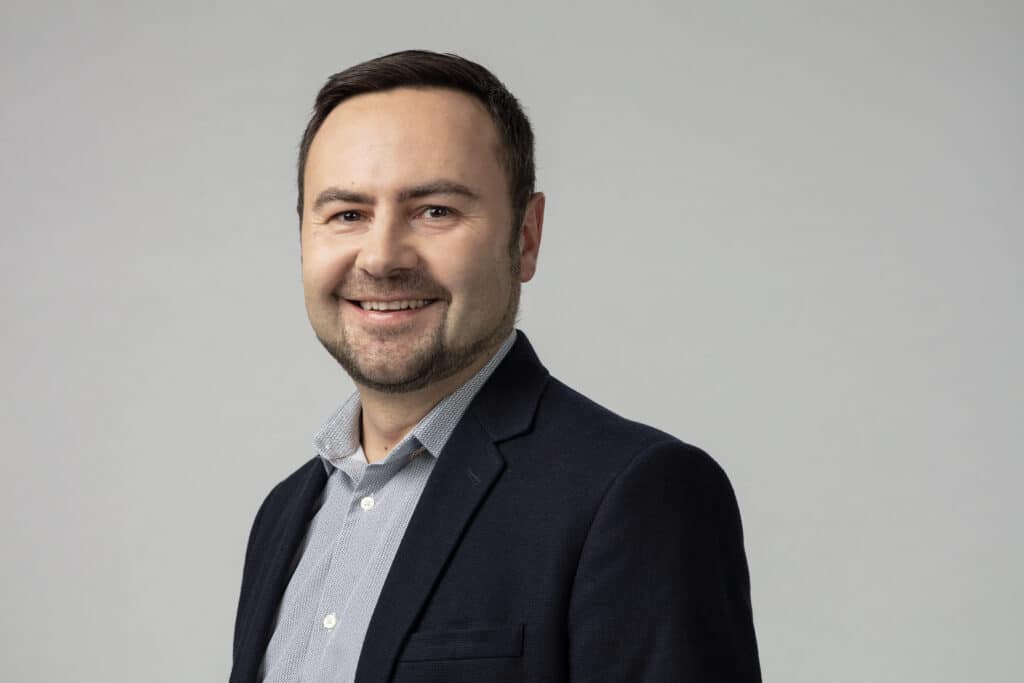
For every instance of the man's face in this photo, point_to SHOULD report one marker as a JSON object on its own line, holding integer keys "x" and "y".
{"x": 406, "y": 206}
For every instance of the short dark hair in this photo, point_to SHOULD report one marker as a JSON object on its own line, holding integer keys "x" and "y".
{"x": 421, "y": 68}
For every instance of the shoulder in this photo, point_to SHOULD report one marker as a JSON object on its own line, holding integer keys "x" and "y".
{"x": 563, "y": 405}
{"x": 597, "y": 428}
{"x": 597, "y": 445}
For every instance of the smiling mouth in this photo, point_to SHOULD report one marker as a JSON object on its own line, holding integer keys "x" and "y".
{"x": 385, "y": 306}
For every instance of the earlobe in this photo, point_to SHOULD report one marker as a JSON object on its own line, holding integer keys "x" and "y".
{"x": 529, "y": 243}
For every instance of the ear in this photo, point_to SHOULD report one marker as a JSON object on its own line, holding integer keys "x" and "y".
{"x": 530, "y": 233}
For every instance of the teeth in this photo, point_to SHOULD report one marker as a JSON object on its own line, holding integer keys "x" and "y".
{"x": 393, "y": 305}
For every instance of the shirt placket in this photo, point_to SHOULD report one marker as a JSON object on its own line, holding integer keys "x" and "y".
{"x": 364, "y": 520}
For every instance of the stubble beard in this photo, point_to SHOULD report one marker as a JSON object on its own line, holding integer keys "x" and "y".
{"x": 432, "y": 361}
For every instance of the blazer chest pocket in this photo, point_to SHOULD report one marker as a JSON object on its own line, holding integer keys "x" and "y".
{"x": 476, "y": 643}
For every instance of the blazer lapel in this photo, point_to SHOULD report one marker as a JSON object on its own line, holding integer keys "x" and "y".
{"x": 462, "y": 477}
{"x": 288, "y": 532}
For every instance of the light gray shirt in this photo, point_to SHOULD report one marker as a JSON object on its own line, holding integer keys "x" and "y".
{"x": 352, "y": 540}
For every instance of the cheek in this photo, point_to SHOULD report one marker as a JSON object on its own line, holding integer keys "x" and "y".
{"x": 476, "y": 279}
{"x": 324, "y": 264}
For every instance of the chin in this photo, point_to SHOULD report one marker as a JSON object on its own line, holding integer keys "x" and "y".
{"x": 394, "y": 376}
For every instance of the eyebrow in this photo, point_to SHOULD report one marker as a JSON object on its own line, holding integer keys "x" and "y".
{"x": 337, "y": 194}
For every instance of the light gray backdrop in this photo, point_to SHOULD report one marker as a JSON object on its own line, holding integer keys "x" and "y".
{"x": 788, "y": 232}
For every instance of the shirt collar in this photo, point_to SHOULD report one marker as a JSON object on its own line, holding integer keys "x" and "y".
{"x": 338, "y": 439}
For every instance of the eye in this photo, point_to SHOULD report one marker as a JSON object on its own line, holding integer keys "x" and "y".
{"x": 348, "y": 216}
{"x": 437, "y": 212}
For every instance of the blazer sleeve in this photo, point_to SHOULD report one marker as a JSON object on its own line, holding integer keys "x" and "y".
{"x": 662, "y": 591}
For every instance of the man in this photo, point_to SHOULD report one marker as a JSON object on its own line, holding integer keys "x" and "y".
{"x": 467, "y": 517}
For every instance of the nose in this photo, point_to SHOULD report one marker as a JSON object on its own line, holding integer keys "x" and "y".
{"x": 387, "y": 246}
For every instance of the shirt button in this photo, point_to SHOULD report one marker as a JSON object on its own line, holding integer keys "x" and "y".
{"x": 366, "y": 503}
{"x": 330, "y": 621}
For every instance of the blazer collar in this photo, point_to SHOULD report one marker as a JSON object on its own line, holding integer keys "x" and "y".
{"x": 508, "y": 401}
{"x": 463, "y": 475}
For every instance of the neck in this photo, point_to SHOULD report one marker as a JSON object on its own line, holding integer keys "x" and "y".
{"x": 388, "y": 418}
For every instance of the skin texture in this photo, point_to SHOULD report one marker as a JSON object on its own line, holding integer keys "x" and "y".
{"x": 385, "y": 218}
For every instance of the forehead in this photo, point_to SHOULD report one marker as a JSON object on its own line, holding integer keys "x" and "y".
{"x": 403, "y": 132}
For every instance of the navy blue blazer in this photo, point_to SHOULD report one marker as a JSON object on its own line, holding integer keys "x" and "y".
{"x": 554, "y": 541}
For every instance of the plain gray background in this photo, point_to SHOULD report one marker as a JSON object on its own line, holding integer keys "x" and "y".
{"x": 790, "y": 233}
